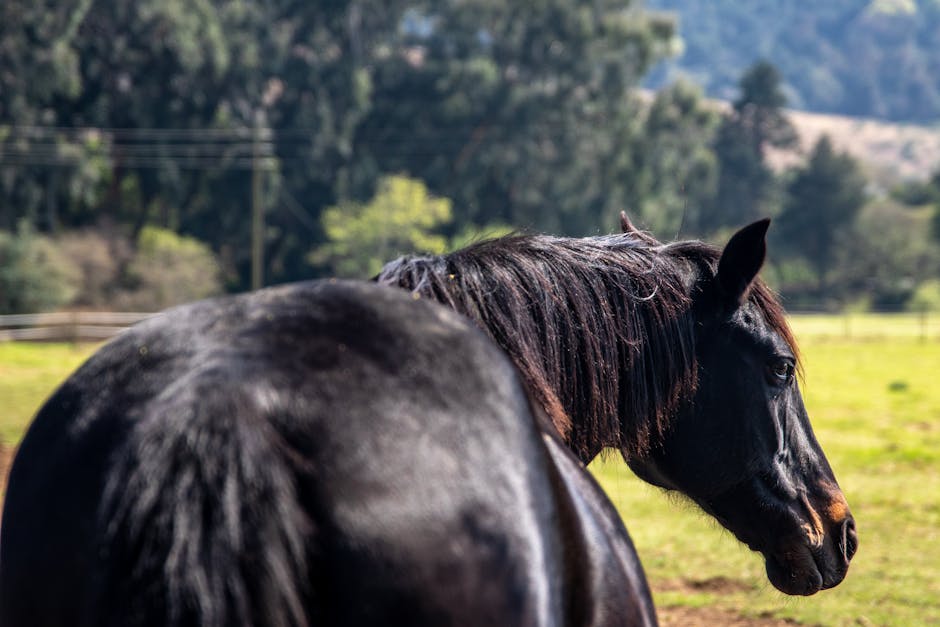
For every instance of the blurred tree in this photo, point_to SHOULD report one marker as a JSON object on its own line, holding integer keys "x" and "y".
{"x": 926, "y": 297}
{"x": 178, "y": 89}
{"x": 916, "y": 193}
{"x": 755, "y": 123}
{"x": 153, "y": 113}
{"x": 521, "y": 113}
{"x": 100, "y": 256}
{"x": 823, "y": 199}
{"x": 40, "y": 67}
{"x": 34, "y": 276}
{"x": 935, "y": 189}
{"x": 885, "y": 257}
{"x": 863, "y": 58}
{"x": 402, "y": 217}
{"x": 758, "y": 111}
{"x": 168, "y": 270}
{"x": 676, "y": 159}
{"x": 935, "y": 224}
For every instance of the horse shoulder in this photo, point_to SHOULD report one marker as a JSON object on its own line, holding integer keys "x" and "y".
{"x": 607, "y": 582}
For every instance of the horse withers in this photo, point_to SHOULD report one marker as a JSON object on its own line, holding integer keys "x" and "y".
{"x": 327, "y": 453}
{"x": 678, "y": 356}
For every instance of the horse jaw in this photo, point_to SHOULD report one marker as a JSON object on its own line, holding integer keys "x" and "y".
{"x": 807, "y": 546}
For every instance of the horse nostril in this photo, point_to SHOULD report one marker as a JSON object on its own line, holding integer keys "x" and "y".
{"x": 849, "y": 539}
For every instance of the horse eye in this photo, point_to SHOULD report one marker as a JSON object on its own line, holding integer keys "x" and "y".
{"x": 780, "y": 371}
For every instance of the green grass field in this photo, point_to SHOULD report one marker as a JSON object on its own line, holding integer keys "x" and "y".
{"x": 873, "y": 393}
{"x": 28, "y": 374}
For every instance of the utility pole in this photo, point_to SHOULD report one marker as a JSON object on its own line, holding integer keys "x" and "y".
{"x": 257, "y": 211}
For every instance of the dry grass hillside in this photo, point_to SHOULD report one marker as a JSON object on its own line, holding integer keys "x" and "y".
{"x": 889, "y": 152}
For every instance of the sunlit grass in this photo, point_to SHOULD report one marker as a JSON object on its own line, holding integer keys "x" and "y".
{"x": 875, "y": 405}
{"x": 874, "y": 398}
{"x": 28, "y": 375}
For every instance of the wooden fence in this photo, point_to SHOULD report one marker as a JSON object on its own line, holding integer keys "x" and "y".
{"x": 87, "y": 326}
{"x": 67, "y": 326}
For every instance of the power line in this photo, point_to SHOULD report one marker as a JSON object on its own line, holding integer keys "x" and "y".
{"x": 224, "y": 149}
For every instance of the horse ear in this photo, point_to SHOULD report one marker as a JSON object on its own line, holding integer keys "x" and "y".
{"x": 741, "y": 260}
{"x": 626, "y": 226}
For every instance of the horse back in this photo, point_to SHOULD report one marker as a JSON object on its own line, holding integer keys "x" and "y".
{"x": 320, "y": 453}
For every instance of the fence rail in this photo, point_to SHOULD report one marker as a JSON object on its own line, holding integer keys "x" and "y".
{"x": 921, "y": 326}
{"x": 90, "y": 326}
{"x": 67, "y": 326}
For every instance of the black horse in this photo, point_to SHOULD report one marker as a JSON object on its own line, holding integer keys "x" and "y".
{"x": 678, "y": 356}
{"x": 324, "y": 453}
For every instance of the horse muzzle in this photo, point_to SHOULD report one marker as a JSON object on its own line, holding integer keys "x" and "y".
{"x": 807, "y": 539}
{"x": 817, "y": 557}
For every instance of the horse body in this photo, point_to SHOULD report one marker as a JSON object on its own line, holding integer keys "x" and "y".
{"x": 678, "y": 356}
{"x": 329, "y": 452}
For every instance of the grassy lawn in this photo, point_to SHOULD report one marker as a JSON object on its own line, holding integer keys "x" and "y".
{"x": 28, "y": 375}
{"x": 874, "y": 396}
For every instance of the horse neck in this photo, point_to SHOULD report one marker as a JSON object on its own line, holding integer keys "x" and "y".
{"x": 605, "y": 348}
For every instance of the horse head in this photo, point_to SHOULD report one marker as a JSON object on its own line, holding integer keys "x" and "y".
{"x": 742, "y": 447}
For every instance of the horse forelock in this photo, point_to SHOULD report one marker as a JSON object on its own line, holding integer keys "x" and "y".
{"x": 601, "y": 328}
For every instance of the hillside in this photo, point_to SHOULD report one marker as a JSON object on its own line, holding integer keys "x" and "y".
{"x": 889, "y": 152}
{"x": 865, "y": 58}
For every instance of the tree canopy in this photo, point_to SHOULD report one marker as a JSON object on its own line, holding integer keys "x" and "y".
{"x": 136, "y": 133}
{"x": 823, "y": 199}
{"x": 756, "y": 122}
{"x": 154, "y": 112}
{"x": 871, "y": 58}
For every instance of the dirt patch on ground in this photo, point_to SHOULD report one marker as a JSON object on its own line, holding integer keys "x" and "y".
{"x": 681, "y": 616}
{"x": 718, "y": 585}
{"x": 713, "y": 617}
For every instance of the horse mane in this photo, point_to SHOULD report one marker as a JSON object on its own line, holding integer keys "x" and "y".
{"x": 601, "y": 328}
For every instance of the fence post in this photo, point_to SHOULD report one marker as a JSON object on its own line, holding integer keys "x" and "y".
{"x": 72, "y": 328}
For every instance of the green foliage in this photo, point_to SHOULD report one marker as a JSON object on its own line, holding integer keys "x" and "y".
{"x": 402, "y": 217}
{"x": 934, "y": 190}
{"x": 886, "y": 254}
{"x": 34, "y": 277}
{"x": 518, "y": 113}
{"x": 193, "y": 77}
{"x": 169, "y": 269}
{"x": 926, "y": 297}
{"x": 823, "y": 199}
{"x": 935, "y": 224}
{"x": 873, "y": 58}
{"x": 746, "y": 184}
{"x": 521, "y": 114}
{"x": 155, "y": 113}
{"x": 677, "y": 169}
{"x": 100, "y": 258}
{"x": 915, "y": 193}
